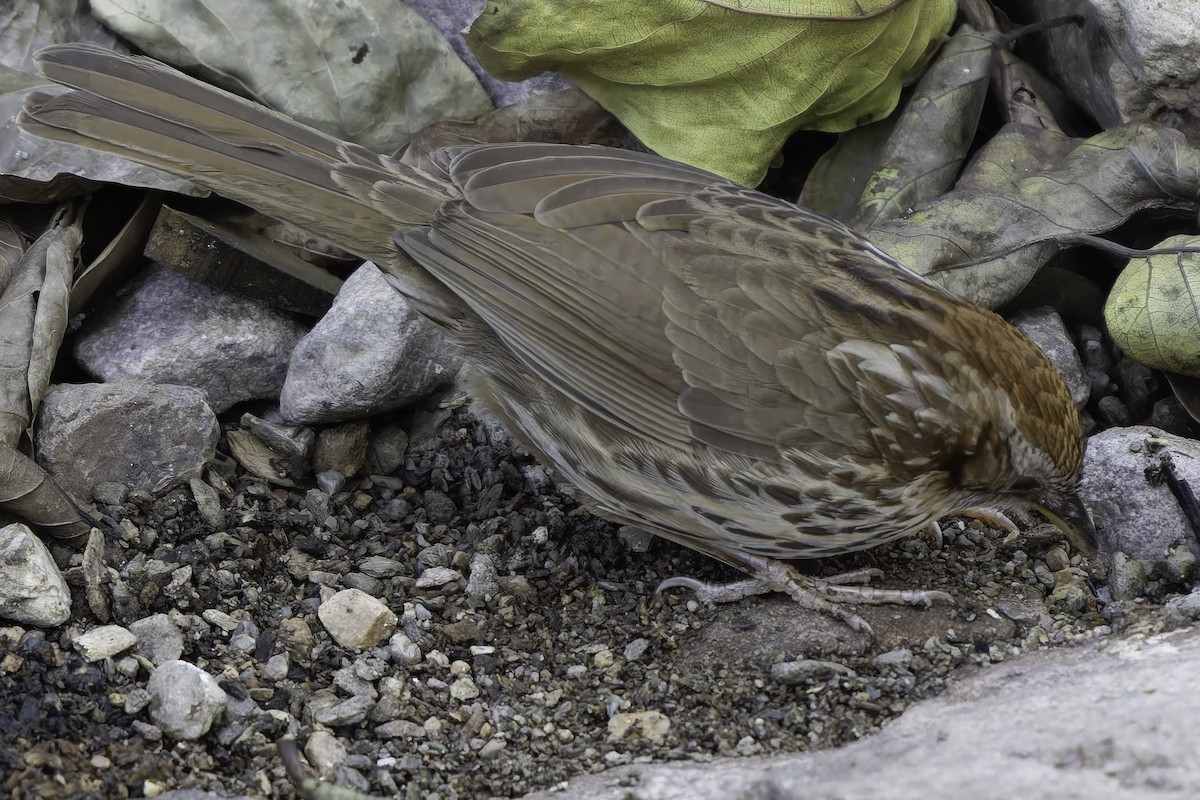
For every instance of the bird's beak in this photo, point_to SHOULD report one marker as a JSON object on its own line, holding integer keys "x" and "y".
{"x": 1075, "y": 523}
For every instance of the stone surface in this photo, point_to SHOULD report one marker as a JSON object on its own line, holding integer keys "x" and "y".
{"x": 171, "y": 329}
{"x": 185, "y": 700}
{"x": 371, "y": 353}
{"x": 1072, "y": 724}
{"x": 1045, "y": 327}
{"x": 32, "y": 590}
{"x": 1131, "y": 60}
{"x": 325, "y": 753}
{"x": 356, "y": 620}
{"x": 158, "y": 639}
{"x": 145, "y": 436}
{"x": 104, "y": 642}
{"x": 342, "y": 448}
{"x": 1134, "y": 515}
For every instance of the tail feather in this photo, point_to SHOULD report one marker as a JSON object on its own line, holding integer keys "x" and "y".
{"x": 145, "y": 111}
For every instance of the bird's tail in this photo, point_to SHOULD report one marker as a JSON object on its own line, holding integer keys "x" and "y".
{"x": 152, "y": 114}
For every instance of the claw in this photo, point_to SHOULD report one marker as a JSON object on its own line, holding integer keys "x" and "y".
{"x": 714, "y": 593}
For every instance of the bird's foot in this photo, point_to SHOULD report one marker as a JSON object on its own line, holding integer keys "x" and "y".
{"x": 828, "y": 596}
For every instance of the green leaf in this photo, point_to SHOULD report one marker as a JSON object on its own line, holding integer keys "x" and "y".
{"x": 1153, "y": 311}
{"x": 719, "y": 85}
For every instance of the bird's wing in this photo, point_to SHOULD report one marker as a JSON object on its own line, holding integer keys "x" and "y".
{"x": 795, "y": 333}
{"x": 673, "y": 304}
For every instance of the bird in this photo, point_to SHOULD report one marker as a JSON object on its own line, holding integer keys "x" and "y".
{"x": 720, "y": 367}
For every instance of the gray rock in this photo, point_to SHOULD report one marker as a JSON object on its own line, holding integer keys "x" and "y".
{"x": 277, "y": 667}
{"x": 208, "y": 503}
{"x": 159, "y": 640}
{"x": 1170, "y": 415}
{"x": 1132, "y": 60}
{"x": 900, "y": 659}
{"x": 143, "y": 435}
{"x": 483, "y": 580}
{"x": 1133, "y": 515}
{"x": 371, "y": 353}
{"x": 389, "y": 443}
{"x": 791, "y": 673}
{"x": 1017, "y": 729}
{"x": 1045, "y": 327}
{"x": 404, "y": 650}
{"x": 1097, "y": 362}
{"x": 1136, "y": 385}
{"x": 348, "y": 712}
{"x": 381, "y": 567}
{"x": 32, "y": 590}
{"x": 1114, "y": 412}
{"x": 185, "y": 700}
{"x": 331, "y": 481}
{"x": 171, "y": 329}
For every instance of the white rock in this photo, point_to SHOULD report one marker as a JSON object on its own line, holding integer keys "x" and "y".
{"x": 32, "y": 590}
{"x": 185, "y": 700}
{"x": 325, "y": 753}
{"x": 104, "y": 642}
{"x": 356, "y": 620}
{"x": 649, "y": 725}
{"x": 435, "y": 577}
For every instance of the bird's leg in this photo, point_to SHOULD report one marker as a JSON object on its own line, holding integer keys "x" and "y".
{"x": 818, "y": 594}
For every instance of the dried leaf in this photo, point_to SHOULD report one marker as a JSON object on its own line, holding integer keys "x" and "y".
{"x": 1187, "y": 392}
{"x": 703, "y": 82}
{"x": 29, "y": 492}
{"x": 1153, "y": 313}
{"x": 927, "y": 148}
{"x": 120, "y": 258}
{"x": 835, "y": 183}
{"x": 368, "y": 71}
{"x": 1031, "y": 192}
{"x": 33, "y": 320}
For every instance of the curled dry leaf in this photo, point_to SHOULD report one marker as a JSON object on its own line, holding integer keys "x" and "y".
{"x": 29, "y": 492}
{"x": 1153, "y": 313}
{"x": 700, "y": 82}
{"x": 367, "y": 71}
{"x": 33, "y": 319}
{"x": 931, "y": 138}
{"x": 880, "y": 171}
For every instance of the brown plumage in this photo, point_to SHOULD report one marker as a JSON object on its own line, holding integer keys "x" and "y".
{"x": 720, "y": 367}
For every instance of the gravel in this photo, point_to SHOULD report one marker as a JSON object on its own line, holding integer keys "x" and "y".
{"x": 512, "y": 641}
